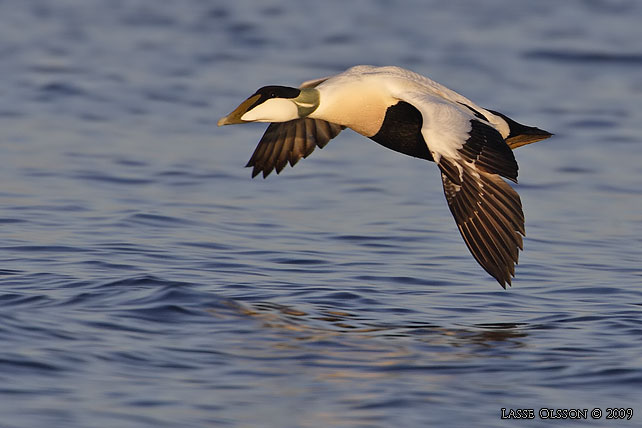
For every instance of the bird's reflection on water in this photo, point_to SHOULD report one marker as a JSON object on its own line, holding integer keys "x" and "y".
{"x": 322, "y": 323}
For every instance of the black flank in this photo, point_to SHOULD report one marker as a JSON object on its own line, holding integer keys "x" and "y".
{"x": 401, "y": 131}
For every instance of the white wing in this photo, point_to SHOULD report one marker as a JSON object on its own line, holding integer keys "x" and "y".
{"x": 472, "y": 155}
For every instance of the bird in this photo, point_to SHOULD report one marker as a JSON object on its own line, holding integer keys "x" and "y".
{"x": 414, "y": 115}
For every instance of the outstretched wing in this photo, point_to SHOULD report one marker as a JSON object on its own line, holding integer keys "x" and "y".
{"x": 487, "y": 210}
{"x": 472, "y": 157}
{"x": 285, "y": 142}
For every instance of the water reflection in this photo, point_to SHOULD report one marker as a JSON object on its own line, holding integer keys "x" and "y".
{"x": 325, "y": 322}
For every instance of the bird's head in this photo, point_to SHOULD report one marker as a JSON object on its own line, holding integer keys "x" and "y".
{"x": 274, "y": 104}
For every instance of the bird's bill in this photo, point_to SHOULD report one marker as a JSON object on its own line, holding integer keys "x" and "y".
{"x": 235, "y": 117}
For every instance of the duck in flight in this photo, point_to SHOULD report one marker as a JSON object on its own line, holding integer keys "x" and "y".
{"x": 413, "y": 115}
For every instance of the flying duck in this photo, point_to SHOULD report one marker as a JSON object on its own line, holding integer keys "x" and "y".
{"x": 414, "y": 115}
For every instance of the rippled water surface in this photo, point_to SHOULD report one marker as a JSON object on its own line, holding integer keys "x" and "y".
{"x": 147, "y": 280}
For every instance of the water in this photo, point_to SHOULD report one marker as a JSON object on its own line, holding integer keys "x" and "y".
{"x": 146, "y": 280}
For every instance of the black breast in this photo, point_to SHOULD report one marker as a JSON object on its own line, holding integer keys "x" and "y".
{"x": 401, "y": 131}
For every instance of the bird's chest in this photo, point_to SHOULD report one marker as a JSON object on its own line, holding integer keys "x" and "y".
{"x": 360, "y": 106}
{"x": 364, "y": 116}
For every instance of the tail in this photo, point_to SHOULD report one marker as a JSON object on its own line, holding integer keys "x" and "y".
{"x": 520, "y": 135}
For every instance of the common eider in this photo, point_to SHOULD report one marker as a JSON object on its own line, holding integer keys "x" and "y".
{"x": 413, "y": 115}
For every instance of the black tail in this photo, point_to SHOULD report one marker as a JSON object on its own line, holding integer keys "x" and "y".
{"x": 520, "y": 135}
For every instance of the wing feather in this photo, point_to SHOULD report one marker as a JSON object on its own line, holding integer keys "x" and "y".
{"x": 285, "y": 142}
{"x": 489, "y": 216}
{"x": 473, "y": 157}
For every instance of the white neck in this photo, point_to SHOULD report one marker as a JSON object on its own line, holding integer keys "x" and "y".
{"x": 358, "y": 104}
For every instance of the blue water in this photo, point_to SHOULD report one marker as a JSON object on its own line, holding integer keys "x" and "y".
{"x": 147, "y": 281}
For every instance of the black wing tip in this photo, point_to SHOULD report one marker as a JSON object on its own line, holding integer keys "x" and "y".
{"x": 503, "y": 274}
{"x": 504, "y": 271}
{"x": 256, "y": 170}
{"x": 489, "y": 216}
{"x": 505, "y": 281}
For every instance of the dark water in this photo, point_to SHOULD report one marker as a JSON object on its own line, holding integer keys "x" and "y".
{"x": 146, "y": 280}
